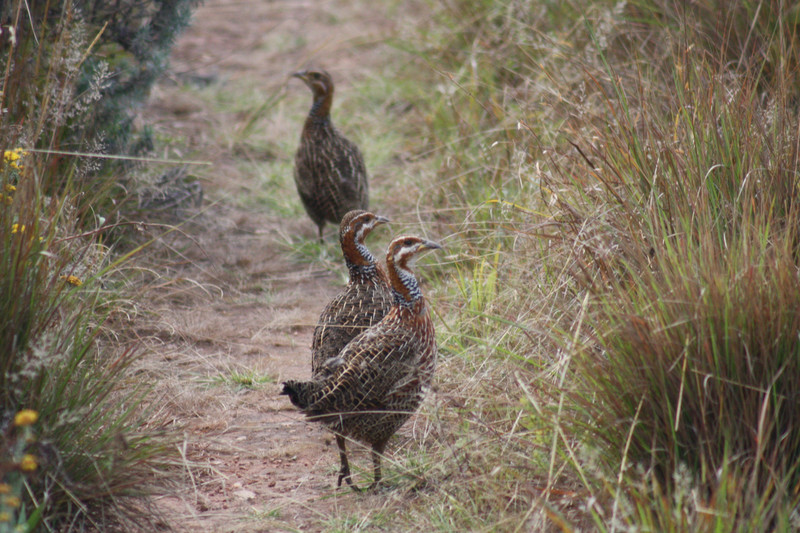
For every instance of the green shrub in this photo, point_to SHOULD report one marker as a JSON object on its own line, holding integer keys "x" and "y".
{"x": 71, "y": 73}
{"x": 76, "y": 71}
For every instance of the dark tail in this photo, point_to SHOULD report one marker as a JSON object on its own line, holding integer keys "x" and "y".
{"x": 298, "y": 392}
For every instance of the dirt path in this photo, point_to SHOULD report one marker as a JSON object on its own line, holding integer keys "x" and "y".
{"x": 228, "y": 300}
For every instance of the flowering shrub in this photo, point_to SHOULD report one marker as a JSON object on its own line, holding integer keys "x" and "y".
{"x": 70, "y": 74}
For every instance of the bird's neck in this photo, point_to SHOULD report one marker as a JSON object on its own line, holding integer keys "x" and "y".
{"x": 405, "y": 287}
{"x": 320, "y": 114}
{"x": 362, "y": 272}
{"x": 365, "y": 268}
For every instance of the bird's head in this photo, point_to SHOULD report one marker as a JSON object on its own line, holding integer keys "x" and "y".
{"x": 400, "y": 258}
{"x": 319, "y": 81}
{"x": 353, "y": 230}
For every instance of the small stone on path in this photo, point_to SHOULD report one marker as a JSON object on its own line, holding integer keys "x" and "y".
{"x": 245, "y": 494}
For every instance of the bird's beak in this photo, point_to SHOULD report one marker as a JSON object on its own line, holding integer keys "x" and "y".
{"x": 431, "y": 245}
{"x": 302, "y": 74}
{"x": 381, "y": 220}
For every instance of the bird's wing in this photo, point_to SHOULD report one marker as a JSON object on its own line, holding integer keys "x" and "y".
{"x": 351, "y": 169}
{"x": 334, "y": 330}
{"x": 372, "y": 365}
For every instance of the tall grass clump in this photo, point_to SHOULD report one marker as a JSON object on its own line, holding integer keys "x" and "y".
{"x": 641, "y": 195}
{"x": 78, "y": 448}
{"x": 694, "y": 294}
{"x": 94, "y": 449}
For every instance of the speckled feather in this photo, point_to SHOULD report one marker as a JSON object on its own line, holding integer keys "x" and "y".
{"x": 363, "y": 303}
{"x": 330, "y": 174}
{"x": 380, "y": 377}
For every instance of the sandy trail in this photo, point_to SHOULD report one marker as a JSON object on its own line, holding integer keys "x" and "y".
{"x": 229, "y": 296}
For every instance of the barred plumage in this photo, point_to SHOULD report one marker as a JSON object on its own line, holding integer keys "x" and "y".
{"x": 363, "y": 303}
{"x": 329, "y": 172}
{"x": 383, "y": 373}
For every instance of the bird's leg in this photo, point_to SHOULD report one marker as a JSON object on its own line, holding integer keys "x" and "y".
{"x": 377, "y": 451}
{"x": 344, "y": 473}
{"x": 321, "y": 240}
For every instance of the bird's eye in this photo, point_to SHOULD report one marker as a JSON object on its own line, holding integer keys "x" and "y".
{"x": 315, "y": 75}
{"x": 408, "y": 242}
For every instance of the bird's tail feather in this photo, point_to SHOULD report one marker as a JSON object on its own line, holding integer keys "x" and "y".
{"x": 299, "y": 392}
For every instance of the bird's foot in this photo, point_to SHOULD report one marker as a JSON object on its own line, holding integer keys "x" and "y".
{"x": 349, "y": 480}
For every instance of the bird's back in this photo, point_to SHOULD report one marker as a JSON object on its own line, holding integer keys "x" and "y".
{"x": 362, "y": 304}
{"x": 330, "y": 173}
{"x": 380, "y": 378}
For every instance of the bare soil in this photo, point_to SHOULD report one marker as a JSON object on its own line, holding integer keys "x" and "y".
{"x": 225, "y": 294}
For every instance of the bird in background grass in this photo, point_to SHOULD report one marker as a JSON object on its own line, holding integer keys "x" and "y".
{"x": 365, "y": 300}
{"x": 381, "y": 376}
{"x": 329, "y": 171}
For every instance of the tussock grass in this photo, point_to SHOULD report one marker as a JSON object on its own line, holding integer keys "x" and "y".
{"x": 95, "y": 448}
{"x": 620, "y": 333}
{"x": 692, "y": 268}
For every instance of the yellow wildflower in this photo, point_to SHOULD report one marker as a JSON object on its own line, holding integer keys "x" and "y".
{"x": 9, "y": 188}
{"x": 13, "y": 155}
{"x": 5, "y": 488}
{"x": 6, "y": 199}
{"x": 10, "y": 155}
{"x": 11, "y": 501}
{"x": 16, "y": 227}
{"x": 72, "y": 280}
{"x": 26, "y": 417}
{"x": 5, "y": 517}
{"x": 28, "y": 463}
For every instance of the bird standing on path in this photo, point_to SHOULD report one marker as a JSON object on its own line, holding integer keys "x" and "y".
{"x": 383, "y": 373}
{"x": 329, "y": 171}
{"x": 363, "y": 303}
